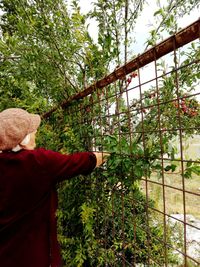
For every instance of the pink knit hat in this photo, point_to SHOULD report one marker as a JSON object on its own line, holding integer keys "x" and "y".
{"x": 15, "y": 124}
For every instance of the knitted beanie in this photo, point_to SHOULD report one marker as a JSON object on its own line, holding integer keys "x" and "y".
{"x": 15, "y": 124}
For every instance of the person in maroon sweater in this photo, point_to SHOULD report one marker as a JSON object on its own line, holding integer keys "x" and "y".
{"x": 28, "y": 198}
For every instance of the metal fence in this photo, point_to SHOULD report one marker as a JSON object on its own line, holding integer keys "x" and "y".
{"x": 147, "y": 115}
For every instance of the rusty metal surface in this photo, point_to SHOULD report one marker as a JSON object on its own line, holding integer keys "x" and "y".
{"x": 181, "y": 38}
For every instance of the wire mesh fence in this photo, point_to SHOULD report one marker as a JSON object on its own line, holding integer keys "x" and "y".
{"x": 144, "y": 201}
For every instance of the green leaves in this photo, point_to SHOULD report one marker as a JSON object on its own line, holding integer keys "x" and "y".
{"x": 116, "y": 21}
{"x": 191, "y": 168}
{"x": 171, "y": 167}
{"x": 87, "y": 214}
{"x": 80, "y": 256}
{"x": 54, "y": 50}
{"x": 48, "y": 55}
{"x": 159, "y": 12}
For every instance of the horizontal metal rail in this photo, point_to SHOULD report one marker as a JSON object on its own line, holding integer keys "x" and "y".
{"x": 183, "y": 37}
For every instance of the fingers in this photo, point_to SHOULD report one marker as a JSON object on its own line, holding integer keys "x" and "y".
{"x": 101, "y": 157}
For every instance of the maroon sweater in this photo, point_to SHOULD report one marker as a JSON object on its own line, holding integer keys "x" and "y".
{"x": 27, "y": 204}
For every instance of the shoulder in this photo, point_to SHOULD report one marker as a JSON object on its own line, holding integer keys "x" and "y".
{"x": 39, "y": 155}
{"x": 44, "y": 154}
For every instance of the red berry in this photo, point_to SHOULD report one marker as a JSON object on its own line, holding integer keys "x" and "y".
{"x": 128, "y": 80}
{"x": 134, "y": 74}
{"x": 185, "y": 109}
{"x": 193, "y": 113}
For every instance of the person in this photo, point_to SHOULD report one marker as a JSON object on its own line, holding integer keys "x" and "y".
{"x": 28, "y": 198}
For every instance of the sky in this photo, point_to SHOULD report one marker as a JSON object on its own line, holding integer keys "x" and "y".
{"x": 143, "y": 22}
{"x": 143, "y": 25}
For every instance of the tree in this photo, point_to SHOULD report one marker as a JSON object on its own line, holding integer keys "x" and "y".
{"x": 47, "y": 55}
{"x": 50, "y": 48}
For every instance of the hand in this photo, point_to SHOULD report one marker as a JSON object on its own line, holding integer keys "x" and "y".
{"x": 101, "y": 157}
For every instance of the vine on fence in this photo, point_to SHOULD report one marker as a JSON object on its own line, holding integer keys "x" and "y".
{"x": 91, "y": 233}
{"x": 46, "y": 56}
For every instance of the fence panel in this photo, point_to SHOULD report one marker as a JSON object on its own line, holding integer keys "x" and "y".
{"x": 146, "y": 197}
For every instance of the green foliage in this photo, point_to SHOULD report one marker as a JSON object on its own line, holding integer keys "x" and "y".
{"x": 167, "y": 18}
{"x": 47, "y": 55}
{"x": 116, "y": 184}
{"x": 116, "y": 21}
{"x": 191, "y": 168}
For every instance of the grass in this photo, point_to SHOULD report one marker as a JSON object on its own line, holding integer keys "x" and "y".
{"x": 171, "y": 201}
{"x": 174, "y": 199}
